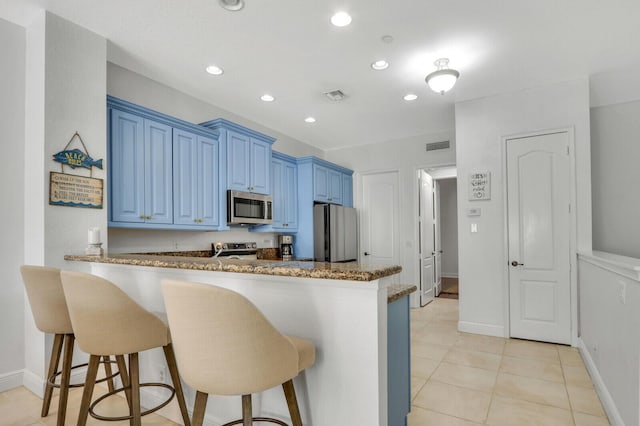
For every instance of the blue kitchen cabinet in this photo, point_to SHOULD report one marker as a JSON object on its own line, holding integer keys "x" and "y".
{"x": 327, "y": 185}
{"x": 248, "y": 156}
{"x": 195, "y": 180}
{"x": 318, "y": 181}
{"x": 141, "y": 170}
{"x": 284, "y": 188}
{"x": 164, "y": 173}
{"x": 347, "y": 190}
{"x": 398, "y": 362}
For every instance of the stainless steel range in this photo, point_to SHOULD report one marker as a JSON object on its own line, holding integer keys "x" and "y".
{"x": 235, "y": 250}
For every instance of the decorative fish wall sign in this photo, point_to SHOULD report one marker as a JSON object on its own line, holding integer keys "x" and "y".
{"x": 76, "y": 158}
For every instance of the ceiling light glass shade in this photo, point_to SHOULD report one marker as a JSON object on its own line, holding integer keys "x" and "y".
{"x": 341, "y": 19}
{"x": 267, "y": 98}
{"x": 444, "y": 78}
{"x": 310, "y": 120}
{"x": 232, "y": 5}
{"x": 214, "y": 70}
{"x": 380, "y": 65}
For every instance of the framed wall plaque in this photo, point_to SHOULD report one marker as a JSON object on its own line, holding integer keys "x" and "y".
{"x": 480, "y": 186}
{"x": 75, "y": 191}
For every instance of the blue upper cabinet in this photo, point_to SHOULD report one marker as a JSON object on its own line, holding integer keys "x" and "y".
{"x": 195, "y": 179}
{"x": 284, "y": 189}
{"x": 323, "y": 182}
{"x": 248, "y": 156}
{"x": 163, "y": 173}
{"x": 141, "y": 171}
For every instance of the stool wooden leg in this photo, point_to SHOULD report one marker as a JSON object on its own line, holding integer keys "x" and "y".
{"x": 198, "y": 408}
{"x": 66, "y": 377}
{"x": 53, "y": 367}
{"x": 134, "y": 377}
{"x": 124, "y": 377}
{"x": 107, "y": 371}
{"x": 175, "y": 378}
{"x": 292, "y": 402}
{"x": 90, "y": 381}
{"x": 247, "y": 411}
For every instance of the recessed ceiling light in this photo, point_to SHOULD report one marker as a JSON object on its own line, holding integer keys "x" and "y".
{"x": 232, "y": 5}
{"x": 267, "y": 98}
{"x": 310, "y": 120}
{"x": 380, "y": 65}
{"x": 214, "y": 70}
{"x": 341, "y": 19}
{"x": 410, "y": 97}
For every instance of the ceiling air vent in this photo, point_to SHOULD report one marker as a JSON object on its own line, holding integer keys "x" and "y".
{"x": 335, "y": 95}
{"x": 434, "y": 146}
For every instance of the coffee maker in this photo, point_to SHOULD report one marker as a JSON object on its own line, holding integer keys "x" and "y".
{"x": 286, "y": 246}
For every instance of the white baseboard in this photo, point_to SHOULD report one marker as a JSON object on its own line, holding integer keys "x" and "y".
{"x": 479, "y": 328}
{"x": 605, "y": 397}
{"x": 449, "y": 275}
{"x": 11, "y": 380}
{"x": 33, "y": 382}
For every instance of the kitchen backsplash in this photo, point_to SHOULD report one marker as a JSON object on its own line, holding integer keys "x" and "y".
{"x": 145, "y": 240}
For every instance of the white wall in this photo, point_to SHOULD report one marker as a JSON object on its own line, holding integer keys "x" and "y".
{"x": 609, "y": 332}
{"x": 615, "y": 151}
{"x": 407, "y": 156}
{"x": 65, "y": 93}
{"x": 12, "y": 87}
{"x": 481, "y": 126}
{"x": 449, "y": 226}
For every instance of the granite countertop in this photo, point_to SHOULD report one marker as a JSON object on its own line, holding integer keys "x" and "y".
{"x": 398, "y": 291}
{"x": 351, "y": 271}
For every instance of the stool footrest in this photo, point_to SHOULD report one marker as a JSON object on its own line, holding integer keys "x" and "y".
{"x": 52, "y": 380}
{"x": 144, "y": 413}
{"x": 257, "y": 419}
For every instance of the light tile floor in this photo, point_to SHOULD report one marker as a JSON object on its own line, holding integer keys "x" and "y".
{"x": 465, "y": 379}
{"x": 457, "y": 379}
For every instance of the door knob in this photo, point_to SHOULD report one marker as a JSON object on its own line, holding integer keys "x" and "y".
{"x": 366, "y": 254}
{"x": 515, "y": 263}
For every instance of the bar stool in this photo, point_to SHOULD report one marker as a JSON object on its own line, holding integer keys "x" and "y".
{"x": 225, "y": 346}
{"x": 49, "y": 309}
{"x": 108, "y": 322}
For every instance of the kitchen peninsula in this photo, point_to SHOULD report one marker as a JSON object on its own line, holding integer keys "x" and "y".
{"x": 344, "y": 308}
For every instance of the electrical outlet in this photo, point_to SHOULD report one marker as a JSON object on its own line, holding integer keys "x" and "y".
{"x": 162, "y": 373}
{"x": 622, "y": 292}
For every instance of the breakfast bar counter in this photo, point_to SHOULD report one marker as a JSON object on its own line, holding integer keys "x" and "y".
{"x": 340, "y": 307}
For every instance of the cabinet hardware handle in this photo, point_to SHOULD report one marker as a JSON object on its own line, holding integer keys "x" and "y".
{"x": 142, "y": 216}
{"x": 149, "y": 217}
{"x": 366, "y": 254}
{"x": 515, "y": 263}
{"x": 195, "y": 220}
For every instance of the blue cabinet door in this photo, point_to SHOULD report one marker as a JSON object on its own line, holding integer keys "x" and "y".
{"x": 127, "y": 175}
{"x": 238, "y": 163}
{"x": 290, "y": 190}
{"x": 320, "y": 183}
{"x": 158, "y": 175}
{"x": 260, "y": 166}
{"x": 208, "y": 152}
{"x": 277, "y": 167}
{"x": 347, "y": 190}
{"x": 398, "y": 362}
{"x": 335, "y": 187}
{"x": 185, "y": 178}
{"x": 195, "y": 177}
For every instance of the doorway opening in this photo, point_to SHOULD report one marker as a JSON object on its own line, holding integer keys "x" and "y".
{"x": 438, "y": 233}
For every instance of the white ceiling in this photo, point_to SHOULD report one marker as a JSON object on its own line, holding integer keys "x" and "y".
{"x": 289, "y": 49}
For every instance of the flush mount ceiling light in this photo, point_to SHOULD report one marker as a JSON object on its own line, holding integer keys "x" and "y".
{"x": 310, "y": 120}
{"x": 214, "y": 70}
{"x": 341, "y": 19}
{"x": 443, "y": 79}
{"x": 267, "y": 98}
{"x": 410, "y": 97}
{"x": 232, "y": 5}
{"x": 380, "y": 65}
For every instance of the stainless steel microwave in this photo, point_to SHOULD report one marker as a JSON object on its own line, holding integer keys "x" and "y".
{"x": 246, "y": 208}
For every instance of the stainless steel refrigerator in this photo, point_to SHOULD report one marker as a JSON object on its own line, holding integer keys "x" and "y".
{"x": 334, "y": 233}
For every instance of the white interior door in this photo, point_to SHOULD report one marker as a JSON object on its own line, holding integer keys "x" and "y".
{"x": 379, "y": 238}
{"x": 538, "y": 179}
{"x": 427, "y": 233}
{"x": 437, "y": 282}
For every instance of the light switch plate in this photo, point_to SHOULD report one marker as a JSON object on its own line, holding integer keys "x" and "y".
{"x": 474, "y": 227}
